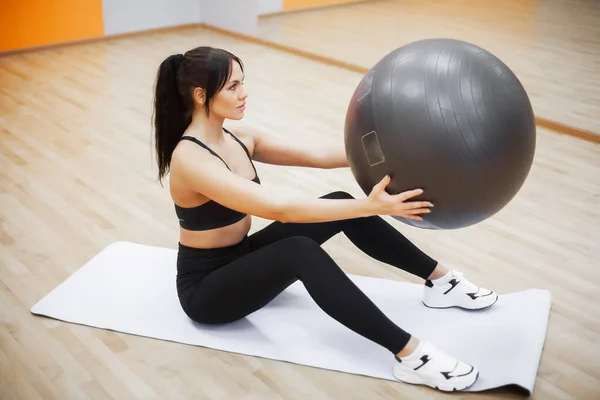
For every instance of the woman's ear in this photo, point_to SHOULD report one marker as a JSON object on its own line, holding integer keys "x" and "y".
{"x": 199, "y": 96}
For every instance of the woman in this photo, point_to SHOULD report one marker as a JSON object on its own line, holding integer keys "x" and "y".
{"x": 224, "y": 275}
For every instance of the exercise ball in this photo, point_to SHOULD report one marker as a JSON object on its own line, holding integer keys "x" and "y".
{"x": 448, "y": 117}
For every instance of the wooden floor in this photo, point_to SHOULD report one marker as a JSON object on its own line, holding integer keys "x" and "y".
{"x": 552, "y": 45}
{"x": 76, "y": 174}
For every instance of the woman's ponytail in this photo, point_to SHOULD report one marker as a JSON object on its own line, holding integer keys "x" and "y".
{"x": 204, "y": 67}
{"x": 171, "y": 118}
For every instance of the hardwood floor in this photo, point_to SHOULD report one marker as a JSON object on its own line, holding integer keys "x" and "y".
{"x": 553, "y": 46}
{"x": 77, "y": 174}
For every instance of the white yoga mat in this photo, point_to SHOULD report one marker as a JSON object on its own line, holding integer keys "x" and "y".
{"x": 130, "y": 288}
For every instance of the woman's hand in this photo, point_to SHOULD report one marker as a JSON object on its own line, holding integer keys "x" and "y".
{"x": 387, "y": 204}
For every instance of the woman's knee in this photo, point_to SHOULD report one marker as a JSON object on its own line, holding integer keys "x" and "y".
{"x": 339, "y": 194}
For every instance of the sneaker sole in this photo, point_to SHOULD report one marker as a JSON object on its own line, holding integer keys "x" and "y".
{"x": 443, "y": 388}
{"x": 461, "y": 307}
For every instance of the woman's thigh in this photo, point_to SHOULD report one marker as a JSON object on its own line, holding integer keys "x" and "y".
{"x": 248, "y": 283}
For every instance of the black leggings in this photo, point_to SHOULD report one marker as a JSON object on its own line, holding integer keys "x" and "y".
{"x": 222, "y": 285}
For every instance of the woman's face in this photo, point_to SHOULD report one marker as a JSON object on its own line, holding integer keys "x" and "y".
{"x": 230, "y": 102}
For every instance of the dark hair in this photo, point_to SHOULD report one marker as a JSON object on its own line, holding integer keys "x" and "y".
{"x": 177, "y": 77}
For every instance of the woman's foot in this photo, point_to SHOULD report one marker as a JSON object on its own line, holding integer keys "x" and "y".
{"x": 453, "y": 290}
{"x": 427, "y": 365}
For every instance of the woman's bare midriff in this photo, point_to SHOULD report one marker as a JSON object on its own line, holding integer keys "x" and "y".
{"x": 220, "y": 237}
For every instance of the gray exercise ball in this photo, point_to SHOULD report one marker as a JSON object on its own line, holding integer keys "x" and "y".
{"x": 448, "y": 117}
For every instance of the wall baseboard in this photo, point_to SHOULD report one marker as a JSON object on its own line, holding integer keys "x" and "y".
{"x": 568, "y": 130}
{"x": 101, "y": 38}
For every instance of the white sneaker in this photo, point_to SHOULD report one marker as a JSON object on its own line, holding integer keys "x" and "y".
{"x": 429, "y": 366}
{"x": 453, "y": 290}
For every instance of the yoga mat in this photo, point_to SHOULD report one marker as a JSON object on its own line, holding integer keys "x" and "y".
{"x": 130, "y": 288}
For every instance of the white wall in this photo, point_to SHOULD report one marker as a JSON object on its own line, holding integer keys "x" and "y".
{"x": 122, "y": 16}
{"x": 269, "y": 6}
{"x": 234, "y": 15}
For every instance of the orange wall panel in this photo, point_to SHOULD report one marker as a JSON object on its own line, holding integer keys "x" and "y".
{"x": 29, "y": 23}
{"x": 297, "y": 4}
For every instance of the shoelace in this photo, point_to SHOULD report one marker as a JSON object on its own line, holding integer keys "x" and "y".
{"x": 441, "y": 359}
{"x": 463, "y": 281}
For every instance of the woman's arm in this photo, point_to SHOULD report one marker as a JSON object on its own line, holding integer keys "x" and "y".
{"x": 206, "y": 174}
{"x": 334, "y": 156}
{"x": 379, "y": 202}
{"x": 270, "y": 149}
{"x": 321, "y": 210}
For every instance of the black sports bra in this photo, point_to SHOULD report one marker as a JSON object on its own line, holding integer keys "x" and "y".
{"x": 211, "y": 215}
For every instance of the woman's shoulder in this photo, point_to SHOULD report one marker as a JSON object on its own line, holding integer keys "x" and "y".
{"x": 246, "y": 135}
